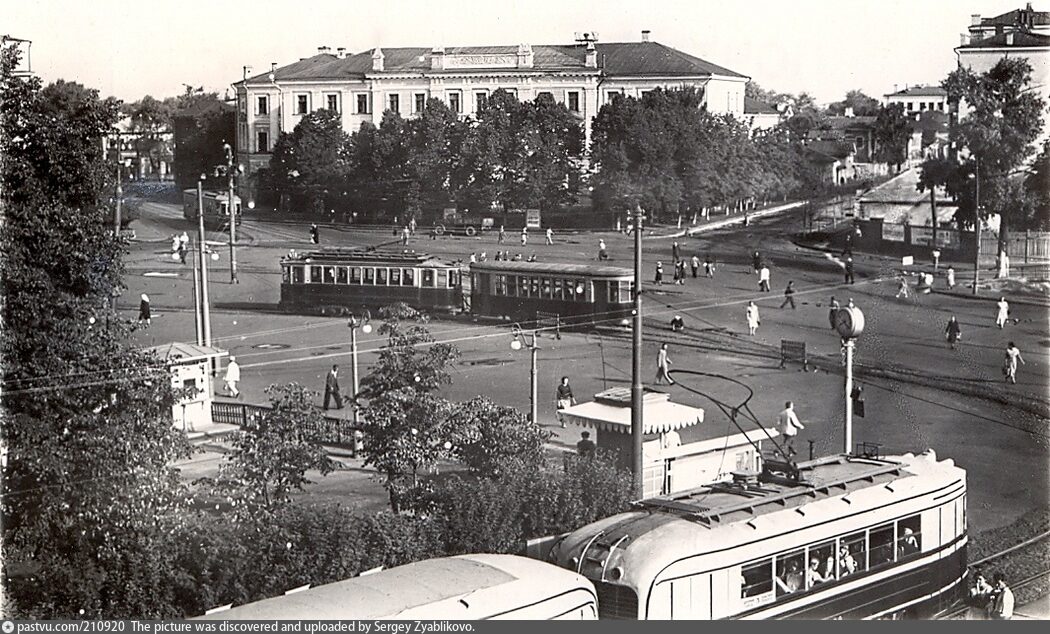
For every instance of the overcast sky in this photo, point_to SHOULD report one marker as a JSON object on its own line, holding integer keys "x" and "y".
{"x": 824, "y": 47}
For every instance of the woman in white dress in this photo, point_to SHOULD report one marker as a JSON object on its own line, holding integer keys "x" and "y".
{"x": 1004, "y": 312}
{"x": 752, "y": 318}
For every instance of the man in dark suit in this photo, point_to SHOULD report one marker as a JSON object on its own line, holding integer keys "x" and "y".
{"x": 331, "y": 388}
{"x": 585, "y": 448}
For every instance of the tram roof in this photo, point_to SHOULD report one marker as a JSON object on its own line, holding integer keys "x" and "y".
{"x": 336, "y": 255}
{"x": 589, "y": 270}
{"x": 429, "y": 586}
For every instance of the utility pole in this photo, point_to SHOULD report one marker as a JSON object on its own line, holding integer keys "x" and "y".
{"x": 231, "y": 170}
{"x": 120, "y": 193}
{"x": 637, "y": 428}
{"x": 849, "y": 343}
{"x": 202, "y": 255}
{"x": 977, "y": 223}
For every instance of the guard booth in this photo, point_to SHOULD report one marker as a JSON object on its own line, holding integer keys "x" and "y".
{"x": 191, "y": 367}
{"x": 669, "y": 464}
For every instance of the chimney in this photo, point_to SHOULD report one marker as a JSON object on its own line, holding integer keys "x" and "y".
{"x": 324, "y": 50}
{"x": 849, "y": 111}
{"x": 592, "y": 56}
{"x": 340, "y": 52}
{"x": 964, "y": 39}
{"x": 645, "y": 35}
{"x": 377, "y": 59}
{"x": 975, "y": 19}
{"x": 895, "y": 88}
{"x": 1010, "y": 38}
{"x": 437, "y": 58}
{"x": 247, "y": 72}
{"x": 273, "y": 66}
{"x": 525, "y": 57}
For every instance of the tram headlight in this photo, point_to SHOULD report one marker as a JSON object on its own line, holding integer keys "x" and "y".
{"x": 616, "y": 573}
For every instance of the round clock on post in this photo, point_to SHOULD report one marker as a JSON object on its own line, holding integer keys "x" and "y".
{"x": 848, "y": 322}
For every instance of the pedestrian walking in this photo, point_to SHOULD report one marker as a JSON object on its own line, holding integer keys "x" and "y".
{"x": 175, "y": 242}
{"x": 788, "y": 425}
{"x": 763, "y": 279}
{"x": 517, "y": 257}
{"x": 902, "y": 289}
{"x": 602, "y": 253}
{"x": 659, "y": 273}
{"x": 405, "y": 232}
{"x": 184, "y": 241}
{"x": 499, "y": 256}
{"x": 663, "y": 365}
{"x": 952, "y": 332}
{"x": 182, "y": 252}
{"x": 1003, "y": 601}
{"x": 412, "y": 225}
{"x": 756, "y": 261}
{"x": 789, "y": 295}
{"x": 694, "y": 264}
{"x": 315, "y": 235}
{"x": 524, "y": 236}
{"x": 949, "y": 276}
{"x": 676, "y": 251}
{"x": 925, "y": 283}
{"x": 677, "y": 324}
{"x": 550, "y": 236}
{"x": 679, "y": 272}
{"x": 502, "y": 235}
{"x": 849, "y": 270}
{"x": 1013, "y": 355}
{"x": 473, "y": 257}
{"x": 1004, "y": 312}
{"x": 144, "y": 314}
{"x": 980, "y": 599}
{"x": 709, "y": 266}
{"x": 531, "y": 258}
{"x": 564, "y": 395}
{"x": 585, "y": 448}
{"x": 752, "y": 318}
{"x": 331, "y": 388}
{"x": 232, "y": 378}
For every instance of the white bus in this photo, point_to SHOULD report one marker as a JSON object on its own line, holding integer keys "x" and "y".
{"x": 462, "y": 588}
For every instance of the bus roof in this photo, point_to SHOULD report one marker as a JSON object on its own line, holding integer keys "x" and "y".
{"x": 557, "y": 268}
{"x": 462, "y": 587}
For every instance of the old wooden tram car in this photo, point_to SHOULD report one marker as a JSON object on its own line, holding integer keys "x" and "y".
{"x": 467, "y": 587}
{"x": 843, "y": 537}
{"x": 216, "y": 208}
{"x": 336, "y": 281}
{"x": 577, "y": 294}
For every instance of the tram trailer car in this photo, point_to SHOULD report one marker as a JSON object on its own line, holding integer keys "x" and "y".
{"x": 773, "y": 548}
{"x": 467, "y": 587}
{"x": 216, "y": 210}
{"x": 578, "y": 294}
{"x": 341, "y": 280}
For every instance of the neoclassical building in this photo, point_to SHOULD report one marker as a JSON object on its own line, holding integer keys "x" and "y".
{"x": 362, "y": 86}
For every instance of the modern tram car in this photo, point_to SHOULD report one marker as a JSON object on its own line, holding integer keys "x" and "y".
{"x": 467, "y": 588}
{"x": 216, "y": 207}
{"x": 843, "y": 537}
{"x": 577, "y": 293}
{"x": 337, "y": 280}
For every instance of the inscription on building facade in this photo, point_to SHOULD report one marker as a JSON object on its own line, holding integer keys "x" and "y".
{"x": 481, "y": 61}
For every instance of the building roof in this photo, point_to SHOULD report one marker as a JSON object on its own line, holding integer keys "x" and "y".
{"x": 611, "y": 411}
{"x": 1010, "y": 18}
{"x": 615, "y": 59}
{"x": 1021, "y": 39}
{"x": 754, "y": 106}
{"x": 920, "y": 91}
{"x": 835, "y": 150}
{"x": 851, "y": 123}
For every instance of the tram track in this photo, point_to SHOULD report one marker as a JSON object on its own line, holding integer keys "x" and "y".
{"x": 1020, "y": 586}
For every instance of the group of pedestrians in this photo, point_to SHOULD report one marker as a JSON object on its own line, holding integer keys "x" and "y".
{"x": 680, "y": 263}
{"x": 988, "y": 601}
{"x": 180, "y": 245}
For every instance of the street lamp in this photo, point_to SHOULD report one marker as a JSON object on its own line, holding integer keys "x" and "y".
{"x": 977, "y": 221}
{"x": 230, "y": 170}
{"x": 637, "y": 433}
{"x": 366, "y": 328}
{"x": 528, "y": 340}
{"x": 849, "y": 323}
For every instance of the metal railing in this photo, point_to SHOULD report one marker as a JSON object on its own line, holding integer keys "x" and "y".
{"x": 339, "y": 432}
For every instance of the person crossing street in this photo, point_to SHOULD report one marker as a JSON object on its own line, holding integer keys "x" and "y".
{"x": 789, "y": 295}
{"x": 232, "y": 378}
{"x": 331, "y": 388}
{"x": 663, "y": 366}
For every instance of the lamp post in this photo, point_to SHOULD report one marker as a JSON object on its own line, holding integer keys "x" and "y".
{"x": 977, "y": 222}
{"x": 636, "y": 360}
{"x": 849, "y": 322}
{"x": 230, "y": 170}
{"x": 366, "y": 328}
{"x": 528, "y": 340}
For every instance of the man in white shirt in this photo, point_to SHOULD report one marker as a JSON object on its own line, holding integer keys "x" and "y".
{"x": 1003, "y": 604}
{"x": 763, "y": 279}
{"x": 789, "y": 426}
{"x": 233, "y": 376}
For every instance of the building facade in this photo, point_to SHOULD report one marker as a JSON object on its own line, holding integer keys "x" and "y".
{"x": 362, "y": 86}
{"x": 917, "y": 99}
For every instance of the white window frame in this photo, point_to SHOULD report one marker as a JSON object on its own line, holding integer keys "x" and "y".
{"x": 458, "y": 94}
{"x": 415, "y": 102}
{"x": 263, "y": 100}
{"x": 579, "y": 102}
{"x": 298, "y": 96}
{"x": 265, "y": 148}
{"x": 357, "y": 103}
{"x": 484, "y": 94}
{"x": 390, "y": 102}
{"x": 338, "y": 101}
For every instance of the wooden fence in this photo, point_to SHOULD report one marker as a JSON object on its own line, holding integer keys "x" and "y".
{"x": 1030, "y": 246}
{"x": 338, "y": 432}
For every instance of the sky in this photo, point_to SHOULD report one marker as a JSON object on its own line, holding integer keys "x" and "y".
{"x": 823, "y": 47}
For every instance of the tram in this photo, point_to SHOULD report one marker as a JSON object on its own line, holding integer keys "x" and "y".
{"x": 577, "y": 294}
{"x": 338, "y": 280}
{"x": 216, "y": 207}
{"x": 842, "y": 537}
{"x": 467, "y": 587}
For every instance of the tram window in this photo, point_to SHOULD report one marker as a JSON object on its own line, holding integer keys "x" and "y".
{"x": 453, "y": 279}
{"x": 408, "y": 277}
{"x": 355, "y": 274}
{"x": 790, "y": 572}
{"x": 756, "y": 578}
{"x": 546, "y": 293}
{"x": 909, "y": 537}
{"x": 315, "y": 275}
{"x": 559, "y": 289}
{"x": 284, "y": 274}
{"x": 614, "y": 290}
{"x": 395, "y": 277}
{"x": 880, "y": 545}
{"x": 297, "y": 274}
{"x": 821, "y": 565}
{"x": 501, "y": 284}
{"x": 442, "y": 279}
{"x": 428, "y": 277}
{"x": 369, "y": 276}
{"x": 853, "y": 556}
{"x": 341, "y": 276}
{"x": 329, "y": 275}
{"x": 581, "y": 291}
{"x": 381, "y": 277}
{"x": 626, "y": 292}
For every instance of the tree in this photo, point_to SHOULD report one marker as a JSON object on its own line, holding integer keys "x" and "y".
{"x": 891, "y": 135}
{"x": 435, "y": 141}
{"x": 310, "y": 164}
{"x": 151, "y": 119}
{"x": 488, "y": 438}
{"x": 934, "y": 173}
{"x": 1038, "y": 216}
{"x": 862, "y": 105}
{"x": 272, "y": 453}
{"x": 201, "y": 124}
{"x": 90, "y": 496}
